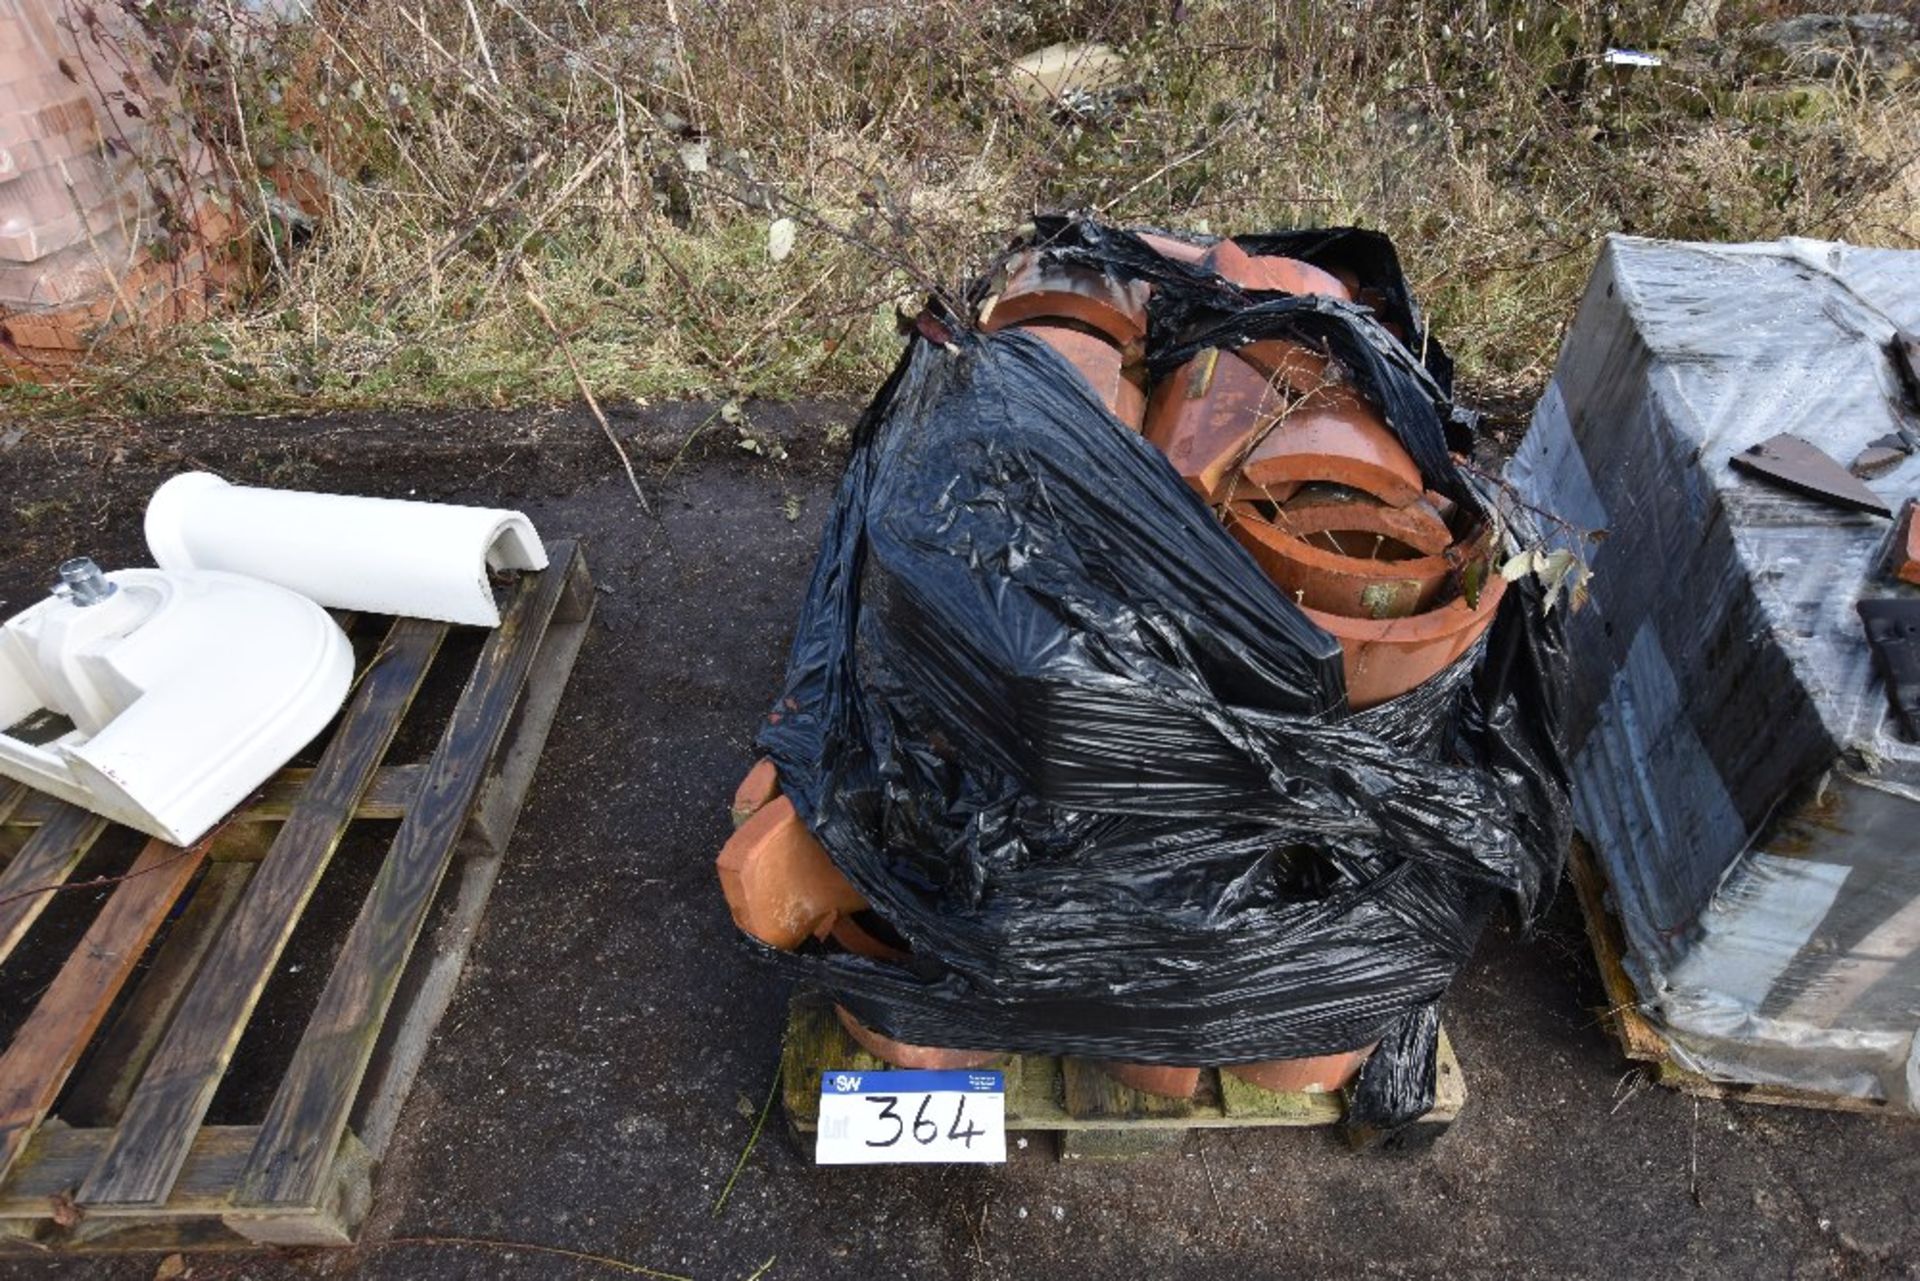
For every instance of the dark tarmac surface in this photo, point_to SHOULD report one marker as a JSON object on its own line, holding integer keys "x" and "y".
{"x": 595, "y": 1080}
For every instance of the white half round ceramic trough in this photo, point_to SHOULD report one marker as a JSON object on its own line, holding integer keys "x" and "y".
{"x": 377, "y": 555}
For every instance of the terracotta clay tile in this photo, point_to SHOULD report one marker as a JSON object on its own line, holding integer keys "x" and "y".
{"x": 780, "y": 884}
{"x": 1334, "y": 435}
{"x": 1206, "y": 414}
{"x": 1385, "y": 657}
{"x": 1337, "y": 510}
{"x": 1037, "y": 289}
{"x": 1286, "y": 275}
{"x": 1292, "y": 364}
{"x": 1317, "y": 577}
{"x": 850, "y": 934}
{"x": 1905, "y": 561}
{"x": 1100, "y": 363}
{"x": 930, "y": 1058}
{"x": 1174, "y": 248}
{"x": 1166, "y": 1082}
{"x": 1320, "y": 1074}
{"x": 760, "y": 786}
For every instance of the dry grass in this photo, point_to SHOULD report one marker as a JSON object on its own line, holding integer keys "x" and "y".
{"x": 624, "y": 161}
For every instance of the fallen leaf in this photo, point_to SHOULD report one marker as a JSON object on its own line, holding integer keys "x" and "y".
{"x": 780, "y": 239}
{"x": 1517, "y": 566}
{"x": 63, "y": 1211}
{"x": 171, "y": 1268}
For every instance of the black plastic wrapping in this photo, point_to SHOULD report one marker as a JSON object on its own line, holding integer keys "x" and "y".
{"x": 1072, "y": 744}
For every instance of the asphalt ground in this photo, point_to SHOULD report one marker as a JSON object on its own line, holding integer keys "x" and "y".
{"x": 596, "y": 1079}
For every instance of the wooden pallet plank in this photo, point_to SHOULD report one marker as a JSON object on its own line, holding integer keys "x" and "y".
{"x": 12, "y": 796}
{"x": 1093, "y": 1095}
{"x": 1042, "y": 1096}
{"x": 156, "y": 1133}
{"x": 59, "y": 1157}
{"x": 44, "y": 863}
{"x": 308, "y": 1116}
{"x": 1638, "y": 1037}
{"x": 505, "y": 790}
{"x": 387, "y": 797}
{"x": 103, "y": 1086}
{"x": 432, "y": 978}
{"x": 45, "y": 1048}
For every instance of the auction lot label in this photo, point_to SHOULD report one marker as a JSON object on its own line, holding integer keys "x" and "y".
{"x": 883, "y": 1118}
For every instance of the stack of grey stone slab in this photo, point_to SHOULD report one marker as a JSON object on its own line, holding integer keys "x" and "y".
{"x": 1737, "y": 768}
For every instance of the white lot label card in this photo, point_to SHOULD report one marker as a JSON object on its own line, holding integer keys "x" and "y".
{"x": 881, "y": 1118}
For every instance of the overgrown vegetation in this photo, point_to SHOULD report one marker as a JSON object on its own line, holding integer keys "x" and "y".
{"x": 625, "y": 164}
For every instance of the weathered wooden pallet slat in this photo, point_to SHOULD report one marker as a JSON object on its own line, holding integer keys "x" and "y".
{"x": 45, "y": 861}
{"x": 100, "y": 1092}
{"x": 147, "y": 1030}
{"x": 154, "y": 1135}
{"x": 51, "y": 1041}
{"x": 388, "y": 796}
{"x": 309, "y": 1112}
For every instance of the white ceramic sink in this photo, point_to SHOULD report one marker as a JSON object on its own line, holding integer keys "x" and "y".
{"x": 165, "y": 697}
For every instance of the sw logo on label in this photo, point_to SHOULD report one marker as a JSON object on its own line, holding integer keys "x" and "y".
{"x": 846, "y": 1084}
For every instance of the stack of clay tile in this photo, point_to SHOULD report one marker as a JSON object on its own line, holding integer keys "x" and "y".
{"x": 73, "y": 209}
{"x": 1305, "y": 473}
{"x": 1312, "y": 481}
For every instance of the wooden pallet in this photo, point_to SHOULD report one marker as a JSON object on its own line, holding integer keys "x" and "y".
{"x": 106, "y": 1085}
{"x": 1641, "y": 1040}
{"x": 1094, "y": 1116}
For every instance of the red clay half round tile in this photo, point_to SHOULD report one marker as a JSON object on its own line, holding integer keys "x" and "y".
{"x": 780, "y": 885}
{"x": 1354, "y": 586}
{"x": 1037, "y": 289}
{"x": 1206, "y": 414}
{"x": 1352, "y": 519}
{"x": 1291, "y": 364}
{"x": 760, "y": 785}
{"x": 1385, "y": 657}
{"x": 930, "y": 1058}
{"x": 1099, "y": 362}
{"x": 1285, "y": 275}
{"x": 1905, "y": 560}
{"x": 1334, "y": 435}
{"x": 1174, "y": 248}
{"x": 1320, "y": 1074}
{"x": 847, "y": 931}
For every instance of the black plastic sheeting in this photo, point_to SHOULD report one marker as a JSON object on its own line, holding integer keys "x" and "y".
{"x": 1073, "y": 745}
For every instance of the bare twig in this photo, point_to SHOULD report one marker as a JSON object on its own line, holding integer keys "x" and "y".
{"x": 480, "y": 36}
{"x": 1207, "y": 1166}
{"x": 753, "y": 1140}
{"x": 580, "y": 381}
{"x": 580, "y": 1256}
{"x": 464, "y": 233}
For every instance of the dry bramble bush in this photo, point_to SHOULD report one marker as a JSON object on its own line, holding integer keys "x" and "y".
{"x": 733, "y": 197}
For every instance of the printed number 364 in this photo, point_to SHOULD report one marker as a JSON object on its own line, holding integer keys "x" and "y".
{"x": 926, "y": 1130}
